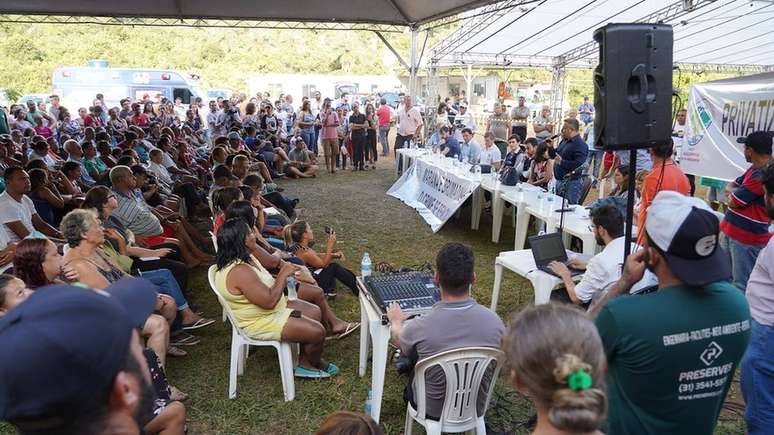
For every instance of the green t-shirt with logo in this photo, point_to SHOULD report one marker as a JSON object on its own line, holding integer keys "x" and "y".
{"x": 671, "y": 357}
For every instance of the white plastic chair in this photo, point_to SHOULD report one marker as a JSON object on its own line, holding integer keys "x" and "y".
{"x": 464, "y": 369}
{"x": 215, "y": 246}
{"x": 240, "y": 344}
{"x": 214, "y": 241}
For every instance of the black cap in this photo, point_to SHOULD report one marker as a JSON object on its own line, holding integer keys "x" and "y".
{"x": 759, "y": 141}
{"x": 62, "y": 348}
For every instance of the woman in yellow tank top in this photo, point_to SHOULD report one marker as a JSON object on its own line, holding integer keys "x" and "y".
{"x": 259, "y": 305}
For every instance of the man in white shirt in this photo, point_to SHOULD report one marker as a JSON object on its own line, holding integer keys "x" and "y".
{"x": 40, "y": 152}
{"x": 409, "y": 125}
{"x": 214, "y": 125}
{"x": 604, "y": 269}
{"x": 463, "y": 120}
{"x": 543, "y": 124}
{"x": 490, "y": 154}
{"x": 156, "y": 166}
{"x": 17, "y": 212}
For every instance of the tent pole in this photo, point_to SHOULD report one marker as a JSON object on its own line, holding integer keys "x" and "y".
{"x": 413, "y": 70}
{"x": 558, "y": 81}
{"x": 469, "y": 83}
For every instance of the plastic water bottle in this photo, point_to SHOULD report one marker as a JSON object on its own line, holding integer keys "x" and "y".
{"x": 365, "y": 266}
{"x": 369, "y": 402}
{"x": 292, "y": 292}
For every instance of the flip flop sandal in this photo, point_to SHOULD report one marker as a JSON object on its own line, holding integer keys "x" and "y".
{"x": 184, "y": 340}
{"x": 176, "y": 351}
{"x": 351, "y": 327}
{"x": 301, "y": 372}
{"x": 198, "y": 324}
{"x": 177, "y": 395}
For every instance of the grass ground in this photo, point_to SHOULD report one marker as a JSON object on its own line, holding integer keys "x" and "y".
{"x": 365, "y": 219}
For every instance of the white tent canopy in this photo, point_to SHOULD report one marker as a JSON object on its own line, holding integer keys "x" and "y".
{"x": 395, "y": 12}
{"x": 730, "y": 32}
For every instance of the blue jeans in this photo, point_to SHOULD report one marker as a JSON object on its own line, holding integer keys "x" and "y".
{"x": 317, "y": 129}
{"x": 384, "y": 130}
{"x": 757, "y": 380}
{"x": 570, "y": 190}
{"x": 165, "y": 281}
{"x": 597, "y": 156}
{"x": 742, "y": 260}
{"x": 308, "y": 137}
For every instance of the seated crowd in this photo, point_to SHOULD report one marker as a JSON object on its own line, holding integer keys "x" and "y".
{"x": 100, "y": 230}
{"x": 103, "y": 198}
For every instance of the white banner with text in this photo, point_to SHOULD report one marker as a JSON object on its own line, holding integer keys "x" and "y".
{"x": 434, "y": 192}
{"x": 719, "y": 112}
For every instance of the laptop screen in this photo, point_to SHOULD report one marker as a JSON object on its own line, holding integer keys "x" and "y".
{"x": 547, "y": 248}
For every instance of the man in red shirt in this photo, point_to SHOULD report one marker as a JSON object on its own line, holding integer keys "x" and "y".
{"x": 94, "y": 119}
{"x": 665, "y": 175}
{"x": 385, "y": 116}
{"x": 137, "y": 117}
{"x": 746, "y": 224}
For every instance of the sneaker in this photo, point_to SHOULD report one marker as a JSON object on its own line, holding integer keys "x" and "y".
{"x": 301, "y": 372}
{"x": 331, "y": 369}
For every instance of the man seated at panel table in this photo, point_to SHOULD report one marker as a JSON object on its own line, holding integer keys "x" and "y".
{"x": 455, "y": 322}
{"x": 603, "y": 269}
{"x": 470, "y": 150}
{"x": 448, "y": 145}
{"x": 490, "y": 154}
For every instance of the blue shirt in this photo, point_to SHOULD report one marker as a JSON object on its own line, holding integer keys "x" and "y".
{"x": 643, "y": 159}
{"x": 85, "y": 177}
{"x": 250, "y": 142}
{"x": 453, "y": 146}
{"x": 470, "y": 151}
{"x": 574, "y": 153}
{"x": 586, "y": 117}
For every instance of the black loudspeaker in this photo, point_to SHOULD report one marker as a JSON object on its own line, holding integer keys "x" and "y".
{"x": 633, "y": 86}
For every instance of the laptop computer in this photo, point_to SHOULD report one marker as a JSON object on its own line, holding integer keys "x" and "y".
{"x": 547, "y": 248}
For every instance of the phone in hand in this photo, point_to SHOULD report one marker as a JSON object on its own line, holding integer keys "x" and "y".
{"x": 328, "y": 230}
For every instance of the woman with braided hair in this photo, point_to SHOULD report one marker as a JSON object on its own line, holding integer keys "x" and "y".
{"x": 556, "y": 358}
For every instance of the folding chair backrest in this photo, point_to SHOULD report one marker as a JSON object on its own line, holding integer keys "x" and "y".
{"x": 585, "y": 188}
{"x": 214, "y": 241}
{"x": 464, "y": 369}
{"x": 223, "y": 302}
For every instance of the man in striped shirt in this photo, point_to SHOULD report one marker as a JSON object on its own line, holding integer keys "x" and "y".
{"x": 746, "y": 224}
{"x": 132, "y": 209}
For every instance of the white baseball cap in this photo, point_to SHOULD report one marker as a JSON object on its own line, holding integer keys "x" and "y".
{"x": 687, "y": 231}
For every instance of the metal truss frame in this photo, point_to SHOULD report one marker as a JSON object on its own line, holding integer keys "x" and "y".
{"x": 724, "y": 68}
{"x": 474, "y": 25}
{"x": 199, "y": 22}
{"x": 663, "y": 15}
{"x": 495, "y": 60}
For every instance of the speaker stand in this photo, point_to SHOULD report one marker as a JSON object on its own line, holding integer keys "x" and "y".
{"x": 630, "y": 203}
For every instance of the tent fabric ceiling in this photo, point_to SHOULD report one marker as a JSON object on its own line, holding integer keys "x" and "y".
{"x": 396, "y": 12}
{"x": 723, "y": 31}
